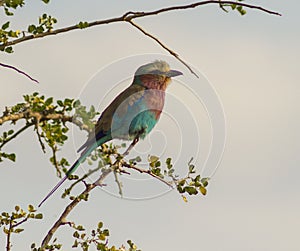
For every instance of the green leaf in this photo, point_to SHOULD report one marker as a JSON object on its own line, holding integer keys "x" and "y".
{"x": 5, "y": 26}
{"x": 241, "y": 10}
{"x": 10, "y": 132}
{"x": 100, "y": 224}
{"x": 18, "y": 230}
{"x": 9, "y": 49}
{"x": 203, "y": 190}
{"x": 31, "y": 208}
{"x": 49, "y": 101}
{"x": 102, "y": 237}
{"x": 11, "y": 157}
{"x": 38, "y": 216}
{"x": 5, "y": 230}
{"x": 157, "y": 163}
{"x": 83, "y": 25}
{"x": 60, "y": 103}
{"x": 76, "y": 234}
{"x": 191, "y": 190}
{"x": 153, "y": 158}
{"x": 204, "y": 181}
{"x": 31, "y": 28}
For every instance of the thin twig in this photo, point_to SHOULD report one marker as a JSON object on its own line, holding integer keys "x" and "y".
{"x": 173, "y": 53}
{"x": 39, "y": 135}
{"x": 118, "y": 183}
{"x": 16, "y": 134}
{"x": 83, "y": 178}
{"x": 19, "y": 71}
{"x": 19, "y": 223}
{"x": 54, "y": 150}
{"x": 8, "y": 245}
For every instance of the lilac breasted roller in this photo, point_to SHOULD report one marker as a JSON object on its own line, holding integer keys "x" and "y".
{"x": 132, "y": 114}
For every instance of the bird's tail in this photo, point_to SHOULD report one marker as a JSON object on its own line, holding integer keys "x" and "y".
{"x": 84, "y": 154}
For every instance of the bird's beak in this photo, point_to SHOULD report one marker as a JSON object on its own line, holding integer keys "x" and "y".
{"x": 173, "y": 73}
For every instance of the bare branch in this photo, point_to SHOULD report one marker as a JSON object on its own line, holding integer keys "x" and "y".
{"x": 8, "y": 244}
{"x": 19, "y": 223}
{"x": 163, "y": 46}
{"x": 17, "y": 70}
{"x": 119, "y": 183}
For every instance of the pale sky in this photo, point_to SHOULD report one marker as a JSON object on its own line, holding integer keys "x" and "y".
{"x": 252, "y": 64}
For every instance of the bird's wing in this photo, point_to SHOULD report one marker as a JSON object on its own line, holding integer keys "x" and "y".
{"x": 117, "y": 110}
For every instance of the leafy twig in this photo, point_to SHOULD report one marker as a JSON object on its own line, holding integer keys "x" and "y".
{"x": 147, "y": 171}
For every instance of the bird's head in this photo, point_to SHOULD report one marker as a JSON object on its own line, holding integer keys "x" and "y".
{"x": 156, "y": 75}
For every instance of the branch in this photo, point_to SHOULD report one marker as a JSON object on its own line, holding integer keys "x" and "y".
{"x": 19, "y": 223}
{"x": 163, "y": 46}
{"x": 128, "y": 17}
{"x": 17, "y": 70}
{"x": 41, "y": 116}
{"x": 8, "y": 244}
{"x": 16, "y": 134}
{"x": 39, "y": 135}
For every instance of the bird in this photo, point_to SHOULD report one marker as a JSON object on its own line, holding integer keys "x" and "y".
{"x": 131, "y": 115}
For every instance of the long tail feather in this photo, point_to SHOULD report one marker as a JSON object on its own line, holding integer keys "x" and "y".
{"x": 53, "y": 190}
{"x": 84, "y": 154}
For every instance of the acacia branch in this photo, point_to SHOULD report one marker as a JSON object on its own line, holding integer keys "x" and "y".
{"x": 17, "y": 70}
{"x": 42, "y": 116}
{"x": 129, "y": 16}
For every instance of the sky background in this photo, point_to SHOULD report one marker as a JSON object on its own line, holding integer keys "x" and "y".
{"x": 252, "y": 62}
